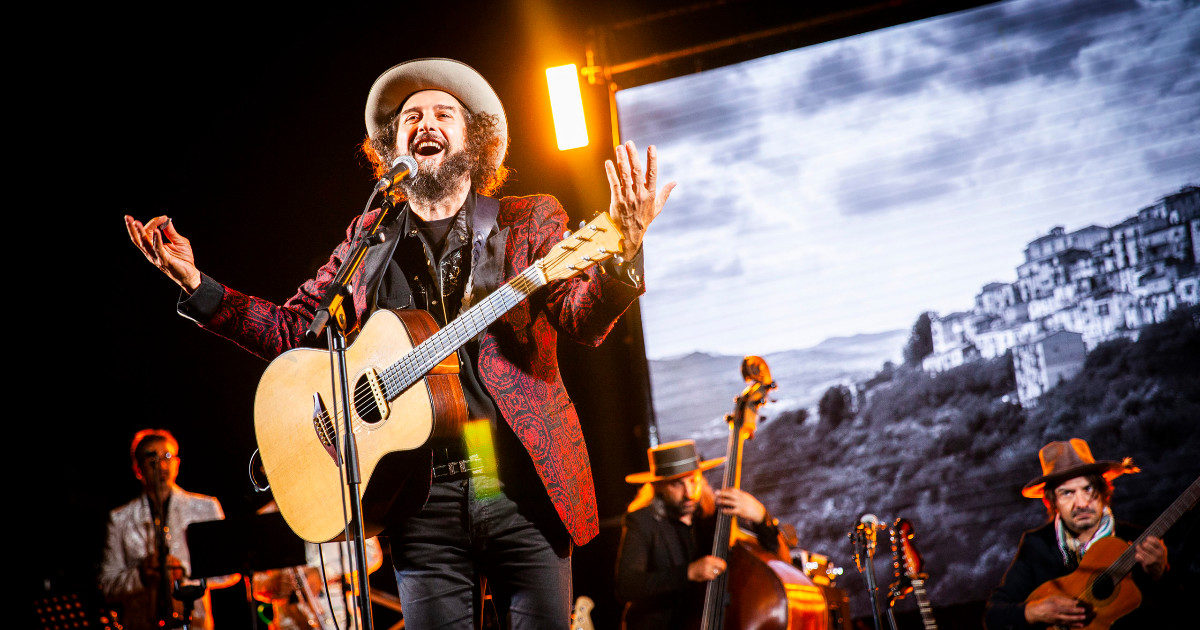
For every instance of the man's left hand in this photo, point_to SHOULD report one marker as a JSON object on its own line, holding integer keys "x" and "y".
{"x": 634, "y": 196}
{"x": 741, "y": 504}
{"x": 1152, "y": 555}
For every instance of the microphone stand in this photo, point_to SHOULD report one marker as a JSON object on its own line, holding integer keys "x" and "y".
{"x": 864, "y": 555}
{"x": 331, "y": 318}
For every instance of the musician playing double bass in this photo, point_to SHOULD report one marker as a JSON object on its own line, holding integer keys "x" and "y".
{"x": 663, "y": 565}
{"x": 1077, "y": 492}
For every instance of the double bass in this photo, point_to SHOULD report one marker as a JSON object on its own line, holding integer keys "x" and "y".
{"x": 760, "y": 590}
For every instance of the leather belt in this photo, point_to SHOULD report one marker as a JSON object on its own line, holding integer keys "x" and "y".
{"x": 471, "y": 465}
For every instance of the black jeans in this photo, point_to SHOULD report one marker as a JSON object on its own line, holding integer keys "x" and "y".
{"x": 524, "y": 553}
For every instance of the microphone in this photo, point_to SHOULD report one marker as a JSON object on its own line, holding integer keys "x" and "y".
{"x": 869, "y": 524}
{"x": 402, "y": 168}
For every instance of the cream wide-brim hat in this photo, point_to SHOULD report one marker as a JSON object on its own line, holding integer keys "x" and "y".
{"x": 393, "y": 87}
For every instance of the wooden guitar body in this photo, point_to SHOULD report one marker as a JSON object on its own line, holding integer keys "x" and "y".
{"x": 1106, "y": 602}
{"x": 296, "y": 418}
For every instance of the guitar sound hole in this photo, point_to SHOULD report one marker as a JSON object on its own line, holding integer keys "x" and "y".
{"x": 1102, "y": 587}
{"x": 364, "y": 401}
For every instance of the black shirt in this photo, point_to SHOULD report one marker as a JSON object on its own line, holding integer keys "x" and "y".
{"x": 432, "y": 260}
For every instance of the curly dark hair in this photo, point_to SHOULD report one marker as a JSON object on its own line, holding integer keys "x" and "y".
{"x": 483, "y": 145}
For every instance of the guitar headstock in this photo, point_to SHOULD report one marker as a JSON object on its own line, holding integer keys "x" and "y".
{"x": 591, "y": 244}
{"x": 581, "y": 616}
{"x": 907, "y": 562}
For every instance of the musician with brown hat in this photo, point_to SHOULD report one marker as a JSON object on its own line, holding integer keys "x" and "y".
{"x": 1077, "y": 492}
{"x": 663, "y": 563}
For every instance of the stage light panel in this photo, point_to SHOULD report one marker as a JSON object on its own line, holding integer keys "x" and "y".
{"x": 566, "y": 104}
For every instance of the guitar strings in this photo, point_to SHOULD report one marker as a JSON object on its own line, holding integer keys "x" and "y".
{"x": 519, "y": 287}
{"x": 423, "y": 353}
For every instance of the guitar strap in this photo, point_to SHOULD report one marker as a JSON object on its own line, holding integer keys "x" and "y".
{"x": 488, "y": 247}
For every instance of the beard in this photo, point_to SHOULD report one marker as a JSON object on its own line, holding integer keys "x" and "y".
{"x": 434, "y": 182}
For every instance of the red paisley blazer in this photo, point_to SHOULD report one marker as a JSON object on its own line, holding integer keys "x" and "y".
{"x": 518, "y": 363}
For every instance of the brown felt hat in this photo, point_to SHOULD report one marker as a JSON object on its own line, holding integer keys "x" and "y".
{"x": 673, "y": 460}
{"x": 393, "y": 87}
{"x": 1067, "y": 460}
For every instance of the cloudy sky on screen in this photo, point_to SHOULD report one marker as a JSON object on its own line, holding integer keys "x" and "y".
{"x": 844, "y": 188}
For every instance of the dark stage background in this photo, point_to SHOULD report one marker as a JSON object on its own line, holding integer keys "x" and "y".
{"x": 243, "y": 126}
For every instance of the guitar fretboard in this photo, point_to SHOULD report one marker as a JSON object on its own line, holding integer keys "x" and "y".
{"x": 1124, "y": 564}
{"x": 420, "y": 360}
{"x": 924, "y": 605}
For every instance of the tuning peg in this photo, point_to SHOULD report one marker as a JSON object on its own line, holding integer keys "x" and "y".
{"x": 581, "y": 224}
{"x": 566, "y": 234}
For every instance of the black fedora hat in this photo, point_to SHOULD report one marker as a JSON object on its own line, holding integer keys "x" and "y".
{"x": 673, "y": 460}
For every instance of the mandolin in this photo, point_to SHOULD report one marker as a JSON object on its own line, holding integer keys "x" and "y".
{"x": 909, "y": 569}
{"x": 403, "y": 372}
{"x": 1102, "y": 583}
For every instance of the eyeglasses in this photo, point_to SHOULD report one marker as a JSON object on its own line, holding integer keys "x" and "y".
{"x": 154, "y": 459}
{"x": 1087, "y": 493}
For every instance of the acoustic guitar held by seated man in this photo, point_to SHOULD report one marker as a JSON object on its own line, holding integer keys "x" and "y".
{"x": 1076, "y": 570}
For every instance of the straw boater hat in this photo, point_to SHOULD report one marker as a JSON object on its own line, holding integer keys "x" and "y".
{"x": 673, "y": 460}
{"x": 392, "y": 89}
{"x": 1066, "y": 460}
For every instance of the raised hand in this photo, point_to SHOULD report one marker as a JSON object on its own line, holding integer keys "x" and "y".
{"x": 634, "y": 196}
{"x": 172, "y": 255}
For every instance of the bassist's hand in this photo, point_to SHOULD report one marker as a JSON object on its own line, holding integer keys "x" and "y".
{"x": 166, "y": 249}
{"x": 1056, "y": 610}
{"x": 742, "y": 504}
{"x": 705, "y": 569}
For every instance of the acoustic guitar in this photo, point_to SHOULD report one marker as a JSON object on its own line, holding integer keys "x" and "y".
{"x": 1102, "y": 583}
{"x": 909, "y": 568}
{"x": 406, "y": 393}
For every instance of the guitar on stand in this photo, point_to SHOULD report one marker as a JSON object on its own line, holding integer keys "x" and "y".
{"x": 909, "y": 569}
{"x": 1102, "y": 582}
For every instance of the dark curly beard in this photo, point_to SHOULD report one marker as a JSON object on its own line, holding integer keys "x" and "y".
{"x": 434, "y": 183}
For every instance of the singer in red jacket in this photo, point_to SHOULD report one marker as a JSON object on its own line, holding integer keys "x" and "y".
{"x": 450, "y": 244}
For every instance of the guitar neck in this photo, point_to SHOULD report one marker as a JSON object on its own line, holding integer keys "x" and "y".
{"x": 924, "y": 605}
{"x": 416, "y": 364}
{"x": 1124, "y": 564}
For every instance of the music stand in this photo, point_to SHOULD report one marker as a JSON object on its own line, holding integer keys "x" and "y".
{"x": 243, "y": 545}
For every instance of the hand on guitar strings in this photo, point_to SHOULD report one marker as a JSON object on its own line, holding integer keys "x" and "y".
{"x": 705, "y": 569}
{"x": 742, "y": 504}
{"x": 1056, "y": 610}
{"x": 1152, "y": 555}
{"x": 634, "y": 196}
{"x": 166, "y": 249}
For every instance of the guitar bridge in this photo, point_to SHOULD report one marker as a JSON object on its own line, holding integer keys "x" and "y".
{"x": 323, "y": 425}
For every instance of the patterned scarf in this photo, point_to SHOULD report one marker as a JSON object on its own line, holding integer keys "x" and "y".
{"x": 1072, "y": 550}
